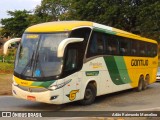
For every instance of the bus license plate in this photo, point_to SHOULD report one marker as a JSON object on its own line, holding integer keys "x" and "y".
{"x": 31, "y": 98}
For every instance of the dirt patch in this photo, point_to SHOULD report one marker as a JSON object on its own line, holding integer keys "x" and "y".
{"x": 5, "y": 84}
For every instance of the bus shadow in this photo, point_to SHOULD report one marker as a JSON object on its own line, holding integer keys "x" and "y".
{"x": 42, "y": 107}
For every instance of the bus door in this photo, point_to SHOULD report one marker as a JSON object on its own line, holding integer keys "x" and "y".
{"x": 73, "y": 78}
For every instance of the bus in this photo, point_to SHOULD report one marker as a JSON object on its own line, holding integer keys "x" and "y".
{"x": 65, "y": 61}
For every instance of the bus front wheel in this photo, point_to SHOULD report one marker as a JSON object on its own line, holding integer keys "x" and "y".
{"x": 89, "y": 96}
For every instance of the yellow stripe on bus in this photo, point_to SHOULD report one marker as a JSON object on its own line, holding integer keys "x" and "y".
{"x": 24, "y": 82}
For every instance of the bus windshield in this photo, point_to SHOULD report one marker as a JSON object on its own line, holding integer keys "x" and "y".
{"x": 37, "y": 55}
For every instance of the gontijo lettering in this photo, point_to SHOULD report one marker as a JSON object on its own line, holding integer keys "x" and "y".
{"x": 139, "y": 62}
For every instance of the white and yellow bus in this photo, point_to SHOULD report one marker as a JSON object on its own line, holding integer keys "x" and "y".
{"x": 61, "y": 62}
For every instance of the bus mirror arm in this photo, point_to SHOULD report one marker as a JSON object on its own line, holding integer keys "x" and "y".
{"x": 64, "y": 43}
{"x": 6, "y": 44}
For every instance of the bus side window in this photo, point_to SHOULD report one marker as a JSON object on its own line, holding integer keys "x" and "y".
{"x": 134, "y": 48}
{"x": 112, "y": 45}
{"x": 71, "y": 60}
{"x": 93, "y": 45}
{"x": 100, "y": 44}
{"x": 96, "y": 45}
{"x": 149, "y": 48}
{"x": 142, "y": 48}
{"x": 154, "y": 50}
{"x": 124, "y": 46}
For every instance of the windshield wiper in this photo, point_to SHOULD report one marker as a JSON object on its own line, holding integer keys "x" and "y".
{"x": 40, "y": 68}
{"x": 30, "y": 62}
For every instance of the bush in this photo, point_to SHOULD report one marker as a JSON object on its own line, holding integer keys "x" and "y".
{"x": 10, "y": 57}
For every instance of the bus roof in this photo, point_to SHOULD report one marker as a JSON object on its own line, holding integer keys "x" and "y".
{"x": 61, "y": 26}
{"x": 58, "y": 26}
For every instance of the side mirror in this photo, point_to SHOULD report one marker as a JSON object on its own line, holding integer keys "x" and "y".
{"x": 6, "y": 44}
{"x": 64, "y": 43}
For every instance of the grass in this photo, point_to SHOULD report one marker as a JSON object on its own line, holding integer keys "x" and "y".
{"x": 6, "y": 67}
{"x": 8, "y": 59}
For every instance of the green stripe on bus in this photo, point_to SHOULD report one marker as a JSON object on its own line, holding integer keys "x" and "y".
{"x": 122, "y": 69}
{"x": 104, "y": 31}
{"x": 113, "y": 70}
{"x": 36, "y": 83}
{"x": 43, "y": 84}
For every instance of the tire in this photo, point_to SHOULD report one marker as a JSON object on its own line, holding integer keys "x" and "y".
{"x": 140, "y": 85}
{"x": 145, "y": 83}
{"x": 89, "y": 96}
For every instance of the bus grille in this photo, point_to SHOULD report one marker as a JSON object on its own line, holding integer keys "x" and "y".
{"x": 30, "y": 89}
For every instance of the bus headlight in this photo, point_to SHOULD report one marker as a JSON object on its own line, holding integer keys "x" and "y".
{"x": 55, "y": 87}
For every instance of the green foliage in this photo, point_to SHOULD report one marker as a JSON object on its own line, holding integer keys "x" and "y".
{"x": 140, "y": 16}
{"x": 149, "y": 22}
{"x": 51, "y": 10}
{"x": 10, "y": 57}
{"x": 15, "y": 26}
{"x": 0, "y": 34}
{"x": 0, "y": 31}
{"x": 6, "y": 67}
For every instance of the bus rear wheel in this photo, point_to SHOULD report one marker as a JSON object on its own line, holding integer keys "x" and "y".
{"x": 146, "y": 82}
{"x": 89, "y": 96}
{"x": 140, "y": 84}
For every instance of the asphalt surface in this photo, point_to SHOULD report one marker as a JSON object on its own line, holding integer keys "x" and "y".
{"x": 129, "y": 100}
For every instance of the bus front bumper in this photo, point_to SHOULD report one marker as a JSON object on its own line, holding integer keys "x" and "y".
{"x": 45, "y": 96}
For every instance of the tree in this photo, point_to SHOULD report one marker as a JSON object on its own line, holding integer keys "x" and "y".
{"x": 51, "y": 10}
{"x": 115, "y": 13}
{"x": 0, "y": 32}
{"x": 15, "y": 26}
{"x": 149, "y": 22}
{"x": 140, "y": 16}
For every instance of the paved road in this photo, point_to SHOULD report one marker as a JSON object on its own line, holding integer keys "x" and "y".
{"x": 148, "y": 100}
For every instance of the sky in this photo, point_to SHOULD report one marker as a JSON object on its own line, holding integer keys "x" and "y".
{"x": 12, "y": 5}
